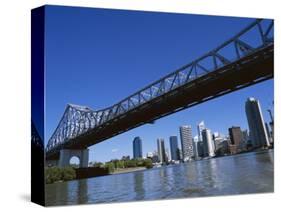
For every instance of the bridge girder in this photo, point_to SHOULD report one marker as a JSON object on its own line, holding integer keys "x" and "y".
{"x": 79, "y": 123}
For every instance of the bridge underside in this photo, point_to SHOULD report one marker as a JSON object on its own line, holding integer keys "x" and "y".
{"x": 250, "y": 70}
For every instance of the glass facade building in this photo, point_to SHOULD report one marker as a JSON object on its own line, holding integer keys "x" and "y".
{"x": 174, "y": 148}
{"x": 208, "y": 143}
{"x": 258, "y": 134}
{"x": 161, "y": 150}
{"x": 137, "y": 147}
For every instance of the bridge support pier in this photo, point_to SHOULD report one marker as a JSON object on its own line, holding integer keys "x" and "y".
{"x": 65, "y": 156}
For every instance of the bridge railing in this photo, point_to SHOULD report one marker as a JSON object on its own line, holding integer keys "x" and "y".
{"x": 78, "y": 119}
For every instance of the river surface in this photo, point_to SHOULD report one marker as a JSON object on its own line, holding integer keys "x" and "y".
{"x": 238, "y": 174}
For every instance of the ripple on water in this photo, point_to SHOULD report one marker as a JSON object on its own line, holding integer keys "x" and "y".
{"x": 240, "y": 174}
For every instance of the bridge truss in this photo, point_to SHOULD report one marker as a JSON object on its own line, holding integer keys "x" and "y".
{"x": 78, "y": 120}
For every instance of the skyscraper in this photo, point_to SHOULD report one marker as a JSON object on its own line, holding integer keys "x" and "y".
{"x": 174, "y": 147}
{"x": 208, "y": 143}
{"x": 200, "y": 127}
{"x": 199, "y": 145}
{"x": 218, "y": 138}
{"x": 245, "y": 136}
{"x": 268, "y": 133}
{"x": 236, "y": 138}
{"x": 161, "y": 150}
{"x": 258, "y": 135}
{"x": 186, "y": 142}
{"x": 200, "y": 149}
{"x": 195, "y": 146}
{"x": 167, "y": 155}
{"x": 272, "y": 130}
{"x": 137, "y": 147}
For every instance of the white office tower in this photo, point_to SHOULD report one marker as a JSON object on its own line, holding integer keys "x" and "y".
{"x": 218, "y": 139}
{"x": 186, "y": 142}
{"x": 161, "y": 150}
{"x": 167, "y": 155}
{"x": 208, "y": 143}
{"x": 258, "y": 135}
{"x": 200, "y": 127}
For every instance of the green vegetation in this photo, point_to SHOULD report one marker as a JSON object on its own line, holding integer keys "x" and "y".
{"x": 148, "y": 163}
{"x": 54, "y": 174}
{"x": 98, "y": 164}
{"x": 122, "y": 164}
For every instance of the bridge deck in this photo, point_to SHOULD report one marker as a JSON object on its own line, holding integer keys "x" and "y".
{"x": 244, "y": 72}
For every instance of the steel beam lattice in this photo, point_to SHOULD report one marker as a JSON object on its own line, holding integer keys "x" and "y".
{"x": 78, "y": 120}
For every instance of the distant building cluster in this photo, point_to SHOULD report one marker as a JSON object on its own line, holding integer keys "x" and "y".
{"x": 207, "y": 144}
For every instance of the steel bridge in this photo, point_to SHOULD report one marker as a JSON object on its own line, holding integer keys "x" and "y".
{"x": 243, "y": 60}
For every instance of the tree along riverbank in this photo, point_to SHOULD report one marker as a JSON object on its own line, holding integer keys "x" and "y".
{"x": 124, "y": 165}
{"x": 56, "y": 174}
{"x": 126, "y": 170}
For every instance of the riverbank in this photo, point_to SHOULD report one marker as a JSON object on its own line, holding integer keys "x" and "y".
{"x": 57, "y": 174}
{"x": 126, "y": 170}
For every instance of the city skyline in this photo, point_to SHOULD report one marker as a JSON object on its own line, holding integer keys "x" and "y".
{"x": 66, "y": 54}
{"x": 194, "y": 126}
{"x": 207, "y": 138}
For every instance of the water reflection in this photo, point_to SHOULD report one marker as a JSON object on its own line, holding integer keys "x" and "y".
{"x": 239, "y": 174}
{"x": 138, "y": 186}
{"x": 82, "y": 191}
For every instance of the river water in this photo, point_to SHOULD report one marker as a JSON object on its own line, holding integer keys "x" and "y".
{"x": 238, "y": 174}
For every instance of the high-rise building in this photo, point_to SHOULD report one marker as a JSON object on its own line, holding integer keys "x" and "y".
{"x": 208, "y": 143}
{"x": 245, "y": 136}
{"x": 222, "y": 147}
{"x": 217, "y": 141}
{"x": 235, "y": 135}
{"x": 137, "y": 147}
{"x": 180, "y": 152}
{"x": 161, "y": 150}
{"x": 200, "y": 127}
{"x": 236, "y": 139}
{"x": 268, "y": 133}
{"x": 200, "y": 149}
{"x": 174, "y": 147}
{"x": 195, "y": 147}
{"x": 186, "y": 142}
{"x": 155, "y": 158}
{"x": 167, "y": 155}
{"x": 245, "y": 139}
{"x": 255, "y": 119}
{"x": 272, "y": 130}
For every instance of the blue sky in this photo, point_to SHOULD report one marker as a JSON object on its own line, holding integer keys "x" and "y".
{"x": 96, "y": 57}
